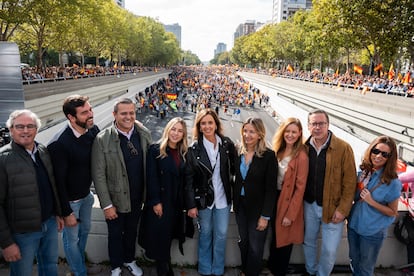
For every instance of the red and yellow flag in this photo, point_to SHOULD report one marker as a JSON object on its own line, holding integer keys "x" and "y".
{"x": 378, "y": 67}
{"x": 407, "y": 77}
{"x": 290, "y": 68}
{"x": 391, "y": 72}
{"x": 358, "y": 69}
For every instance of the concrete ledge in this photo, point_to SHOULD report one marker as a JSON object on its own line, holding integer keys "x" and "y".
{"x": 393, "y": 253}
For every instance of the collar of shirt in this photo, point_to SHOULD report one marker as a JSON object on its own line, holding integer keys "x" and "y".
{"x": 127, "y": 134}
{"x": 33, "y": 152}
{"x": 75, "y": 132}
{"x": 323, "y": 146}
{"x": 211, "y": 151}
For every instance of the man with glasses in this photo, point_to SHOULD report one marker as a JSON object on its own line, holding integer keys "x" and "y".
{"x": 29, "y": 203}
{"x": 329, "y": 193}
{"x": 70, "y": 150}
{"x": 118, "y": 172}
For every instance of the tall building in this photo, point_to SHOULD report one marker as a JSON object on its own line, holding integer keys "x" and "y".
{"x": 120, "y": 3}
{"x": 176, "y": 30}
{"x": 220, "y": 48}
{"x": 283, "y": 9}
{"x": 250, "y": 26}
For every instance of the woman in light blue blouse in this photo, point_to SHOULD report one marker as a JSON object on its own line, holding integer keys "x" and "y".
{"x": 375, "y": 204}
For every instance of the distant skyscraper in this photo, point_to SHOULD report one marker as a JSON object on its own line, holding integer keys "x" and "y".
{"x": 283, "y": 9}
{"x": 176, "y": 30}
{"x": 246, "y": 28}
{"x": 221, "y": 48}
{"x": 120, "y": 3}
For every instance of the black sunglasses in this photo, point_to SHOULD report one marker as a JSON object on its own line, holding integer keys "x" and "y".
{"x": 383, "y": 153}
{"x": 132, "y": 148}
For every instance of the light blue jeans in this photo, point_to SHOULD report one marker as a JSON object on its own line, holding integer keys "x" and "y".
{"x": 75, "y": 238}
{"x": 43, "y": 245}
{"x": 331, "y": 234}
{"x": 213, "y": 225}
{"x": 364, "y": 250}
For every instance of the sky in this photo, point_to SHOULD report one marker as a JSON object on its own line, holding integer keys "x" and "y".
{"x": 204, "y": 23}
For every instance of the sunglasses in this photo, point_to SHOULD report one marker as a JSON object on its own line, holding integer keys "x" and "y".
{"x": 132, "y": 148}
{"x": 383, "y": 153}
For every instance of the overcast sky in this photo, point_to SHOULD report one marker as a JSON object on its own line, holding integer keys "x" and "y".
{"x": 204, "y": 23}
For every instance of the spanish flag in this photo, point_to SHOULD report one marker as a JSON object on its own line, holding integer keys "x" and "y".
{"x": 407, "y": 77}
{"x": 358, "y": 69}
{"x": 378, "y": 67}
{"x": 289, "y": 68}
{"x": 391, "y": 72}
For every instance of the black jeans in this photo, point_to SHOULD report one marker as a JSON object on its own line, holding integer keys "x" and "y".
{"x": 251, "y": 242}
{"x": 122, "y": 237}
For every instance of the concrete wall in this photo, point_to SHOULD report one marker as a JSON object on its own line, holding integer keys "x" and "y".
{"x": 393, "y": 253}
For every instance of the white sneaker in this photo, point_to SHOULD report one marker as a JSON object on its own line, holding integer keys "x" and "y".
{"x": 116, "y": 272}
{"x": 133, "y": 268}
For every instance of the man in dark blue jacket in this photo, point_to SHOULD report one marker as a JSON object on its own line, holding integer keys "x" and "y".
{"x": 70, "y": 150}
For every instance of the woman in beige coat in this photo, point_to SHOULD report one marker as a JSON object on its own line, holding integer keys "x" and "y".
{"x": 291, "y": 182}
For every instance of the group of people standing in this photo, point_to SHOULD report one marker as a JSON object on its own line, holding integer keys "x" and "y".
{"x": 297, "y": 188}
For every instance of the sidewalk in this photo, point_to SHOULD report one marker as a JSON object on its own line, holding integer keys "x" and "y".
{"x": 105, "y": 270}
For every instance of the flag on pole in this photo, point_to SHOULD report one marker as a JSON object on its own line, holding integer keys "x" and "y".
{"x": 391, "y": 72}
{"x": 289, "y": 68}
{"x": 378, "y": 67}
{"x": 358, "y": 69}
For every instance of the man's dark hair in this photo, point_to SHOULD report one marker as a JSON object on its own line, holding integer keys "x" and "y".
{"x": 72, "y": 102}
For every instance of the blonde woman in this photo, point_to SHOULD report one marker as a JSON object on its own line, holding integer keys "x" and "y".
{"x": 254, "y": 193}
{"x": 162, "y": 219}
{"x": 288, "y": 227}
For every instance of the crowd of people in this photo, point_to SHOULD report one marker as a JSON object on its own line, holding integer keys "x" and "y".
{"x": 299, "y": 189}
{"x": 36, "y": 74}
{"x": 399, "y": 85}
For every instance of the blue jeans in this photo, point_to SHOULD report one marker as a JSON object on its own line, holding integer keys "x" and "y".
{"x": 75, "y": 238}
{"x": 331, "y": 237}
{"x": 212, "y": 240}
{"x": 364, "y": 250}
{"x": 43, "y": 245}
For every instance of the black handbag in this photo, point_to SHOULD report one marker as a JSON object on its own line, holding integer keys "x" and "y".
{"x": 205, "y": 198}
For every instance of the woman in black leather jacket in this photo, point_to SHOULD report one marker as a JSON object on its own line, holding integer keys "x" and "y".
{"x": 209, "y": 172}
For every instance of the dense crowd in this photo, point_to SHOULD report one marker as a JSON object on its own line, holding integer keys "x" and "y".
{"x": 399, "y": 85}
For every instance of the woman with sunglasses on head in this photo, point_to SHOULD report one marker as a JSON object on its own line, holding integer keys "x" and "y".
{"x": 163, "y": 219}
{"x": 375, "y": 204}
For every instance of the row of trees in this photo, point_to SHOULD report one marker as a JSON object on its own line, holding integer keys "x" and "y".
{"x": 334, "y": 32}
{"x": 94, "y": 28}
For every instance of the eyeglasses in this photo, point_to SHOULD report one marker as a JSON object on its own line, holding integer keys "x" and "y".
{"x": 318, "y": 124}
{"x": 22, "y": 127}
{"x": 383, "y": 153}
{"x": 132, "y": 148}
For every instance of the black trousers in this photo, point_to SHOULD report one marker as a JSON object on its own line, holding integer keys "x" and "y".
{"x": 251, "y": 242}
{"x": 122, "y": 237}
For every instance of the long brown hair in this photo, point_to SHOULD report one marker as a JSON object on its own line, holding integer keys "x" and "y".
{"x": 200, "y": 115}
{"x": 390, "y": 167}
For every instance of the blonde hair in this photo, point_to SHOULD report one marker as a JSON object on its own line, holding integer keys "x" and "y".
{"x": 182, "y": 145}
{"x": 258, "y": 125}
{"x": 279, "y": 143}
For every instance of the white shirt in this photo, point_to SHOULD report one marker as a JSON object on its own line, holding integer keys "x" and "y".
{"x": 220, "y": 199}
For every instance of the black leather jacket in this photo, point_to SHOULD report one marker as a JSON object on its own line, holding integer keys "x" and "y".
{"x": 198, "y": 170}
